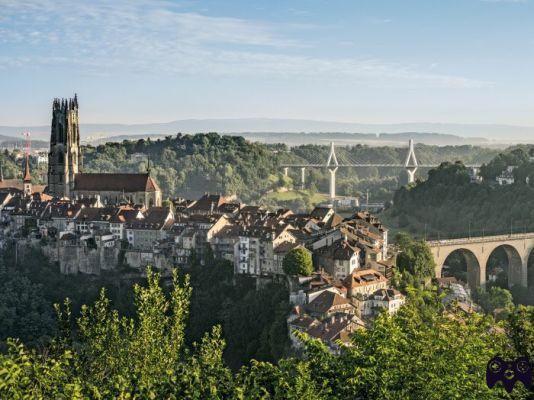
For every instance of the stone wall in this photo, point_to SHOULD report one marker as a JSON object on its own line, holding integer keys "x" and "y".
{"x": 141, "y": 259}
{"x": 80, "y": 259}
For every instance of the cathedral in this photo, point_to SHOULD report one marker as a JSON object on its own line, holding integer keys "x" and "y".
{"x": 66, "y": 178}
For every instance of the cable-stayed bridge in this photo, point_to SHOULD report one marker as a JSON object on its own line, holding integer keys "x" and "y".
{"x": 342, "y": 158}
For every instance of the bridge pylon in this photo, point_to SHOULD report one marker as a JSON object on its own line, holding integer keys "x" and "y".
{"x": 332, "y": 164}
{"x": 411, "y": 162}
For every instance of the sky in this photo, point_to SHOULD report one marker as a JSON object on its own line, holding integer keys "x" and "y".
{"x": 462, "y": 61}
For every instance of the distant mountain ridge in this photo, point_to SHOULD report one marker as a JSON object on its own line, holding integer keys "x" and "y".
{"x": 255, "y": 126}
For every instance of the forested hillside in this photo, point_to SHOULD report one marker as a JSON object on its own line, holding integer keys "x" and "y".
{"x": 447, "y": 204}
{"x": 253, "y": 320}
{"x": 189, "y": 165}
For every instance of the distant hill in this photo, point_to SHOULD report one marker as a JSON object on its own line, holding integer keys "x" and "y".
{"x": 19, "y": 142}
{"x": 294, "y": 139}
{"x": 266, "y": 128}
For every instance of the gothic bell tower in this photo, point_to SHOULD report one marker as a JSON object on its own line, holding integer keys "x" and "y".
{"x": 64, "y": 155}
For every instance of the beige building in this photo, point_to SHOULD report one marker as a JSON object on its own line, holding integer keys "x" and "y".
{"x": 364, "y": 282}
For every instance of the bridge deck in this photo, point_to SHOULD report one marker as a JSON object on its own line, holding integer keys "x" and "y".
{"x": 480, "y": 239}
{"x": 364, "y": 165}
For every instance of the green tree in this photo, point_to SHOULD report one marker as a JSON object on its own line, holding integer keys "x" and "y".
{"x": 520, "y": 328}
{"x": 298, "y": 261}
{"x": 415, "y": 260}
{"x": 24, "y": 311}
{"x": 494, "y": 298}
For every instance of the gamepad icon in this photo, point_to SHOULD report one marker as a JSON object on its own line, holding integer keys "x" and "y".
{"x": 509, "y": 372}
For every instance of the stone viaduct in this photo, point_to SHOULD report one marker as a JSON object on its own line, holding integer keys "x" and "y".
{"x": 477, "y": 250}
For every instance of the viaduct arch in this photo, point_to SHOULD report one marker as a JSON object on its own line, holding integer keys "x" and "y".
{"x": 477, "y": 251}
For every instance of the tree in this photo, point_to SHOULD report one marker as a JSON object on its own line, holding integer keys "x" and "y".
{"x": 415, "y": 259}
{"x": 520, "y": 328}
{"x": 298, "y": 261}
{"x": 24, "y": 312}
{"x": 494, "y": 298}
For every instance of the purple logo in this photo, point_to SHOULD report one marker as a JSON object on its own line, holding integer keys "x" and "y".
{"x": 509, "y": 373}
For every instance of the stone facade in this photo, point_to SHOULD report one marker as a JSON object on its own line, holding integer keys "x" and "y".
{"x": 64, "y": 155}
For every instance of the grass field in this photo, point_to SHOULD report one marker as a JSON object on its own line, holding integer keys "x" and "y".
{"x": 295, "y": 194}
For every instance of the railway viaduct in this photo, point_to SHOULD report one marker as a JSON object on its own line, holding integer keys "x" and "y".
{"x": 477, "y": 250}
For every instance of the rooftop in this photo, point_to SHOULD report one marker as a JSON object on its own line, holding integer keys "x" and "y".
{"x": 117, "y": 182}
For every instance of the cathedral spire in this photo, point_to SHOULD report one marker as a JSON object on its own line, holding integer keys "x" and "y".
{"x": 27, "y": 180}
{"x": 27, "y": 175}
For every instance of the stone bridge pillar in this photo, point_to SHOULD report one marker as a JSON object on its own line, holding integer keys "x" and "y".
{"x": 524, "y": 267}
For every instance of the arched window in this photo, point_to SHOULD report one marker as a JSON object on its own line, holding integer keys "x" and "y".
{"x": 60, "y": 158}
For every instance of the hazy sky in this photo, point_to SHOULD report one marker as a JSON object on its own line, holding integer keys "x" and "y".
{"x": 358, "y": 61}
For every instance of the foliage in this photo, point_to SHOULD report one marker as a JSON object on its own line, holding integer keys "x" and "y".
{"x": 13, "y": 163}
{"x": 494, "y": 298}
{"x": 447, "y": 206}
{"x": 521, "y": 330}
{"x": 298, "y": 261}
{"x": 515, "y": 157}
{"x": 253, "y": 319}
{"x": 421, "y": 352}
{"x": 414, "y": 261}
{"x": 24, "y": 311}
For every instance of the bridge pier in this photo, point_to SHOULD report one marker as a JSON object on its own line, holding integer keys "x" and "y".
{"x": 332, "y": 183}
{"x": 524, "y": 270}
{"x": 411, "y": 174}
{"x": 302, "y": 177}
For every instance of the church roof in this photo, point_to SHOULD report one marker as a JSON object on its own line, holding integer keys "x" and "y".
{"x": 17, "y": 185}
{"x": 115, "y": 182}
